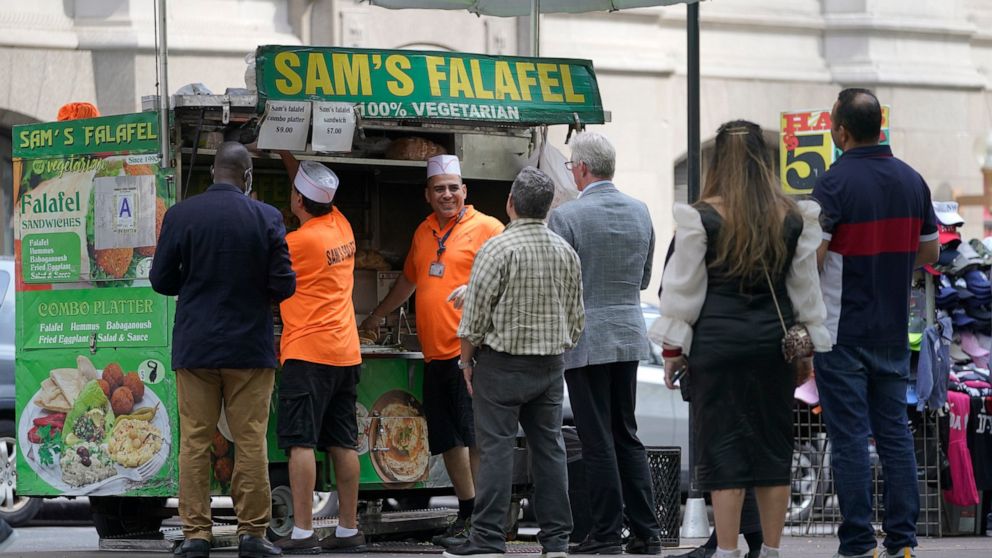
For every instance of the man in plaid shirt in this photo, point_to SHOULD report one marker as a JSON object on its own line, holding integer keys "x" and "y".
{"x": 523, "y": 309}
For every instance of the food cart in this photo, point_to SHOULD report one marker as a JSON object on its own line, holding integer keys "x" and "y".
{"x": 97, "y": 410}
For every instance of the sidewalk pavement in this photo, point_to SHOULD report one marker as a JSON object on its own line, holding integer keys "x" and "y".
{"x": 825, "y": 547}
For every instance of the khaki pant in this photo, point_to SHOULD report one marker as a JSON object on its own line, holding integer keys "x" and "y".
{"x": 246, "y": 394}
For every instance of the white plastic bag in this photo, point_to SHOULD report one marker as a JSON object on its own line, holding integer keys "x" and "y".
{"x": 552, "y": 162}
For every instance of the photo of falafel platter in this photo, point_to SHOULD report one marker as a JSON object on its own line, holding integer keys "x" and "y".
{"x": 94, "y": 432}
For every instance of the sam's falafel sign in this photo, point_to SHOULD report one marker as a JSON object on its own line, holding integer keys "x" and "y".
{"x": 96, "y": 408}
{"x": 422, "y": 85}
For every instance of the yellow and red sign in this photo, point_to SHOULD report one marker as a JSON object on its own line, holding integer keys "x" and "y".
{"x": 806, "y": 148}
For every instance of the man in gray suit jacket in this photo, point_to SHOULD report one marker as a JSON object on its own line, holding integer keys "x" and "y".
{"x": 613, "y": 236}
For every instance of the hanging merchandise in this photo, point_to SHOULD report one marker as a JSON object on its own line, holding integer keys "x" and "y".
{"x": 963, "y": 491}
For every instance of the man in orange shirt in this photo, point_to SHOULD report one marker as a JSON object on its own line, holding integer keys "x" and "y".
{"x": 438, "y": 267}
{"x": 321, "y": 360}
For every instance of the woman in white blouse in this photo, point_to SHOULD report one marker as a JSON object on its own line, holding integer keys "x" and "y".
{"x": 719, "y": 324}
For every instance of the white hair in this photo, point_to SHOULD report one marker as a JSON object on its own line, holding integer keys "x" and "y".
{"x": 595, "y": 151}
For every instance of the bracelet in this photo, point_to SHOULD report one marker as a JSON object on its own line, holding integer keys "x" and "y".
{"x": 671, "y": 353}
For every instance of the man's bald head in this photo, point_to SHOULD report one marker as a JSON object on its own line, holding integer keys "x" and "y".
{"x": 231, "y": 163}
{"x": 860, "y": 113}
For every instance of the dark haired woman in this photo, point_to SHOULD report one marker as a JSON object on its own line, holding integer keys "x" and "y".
{"x": 744, "y": 256}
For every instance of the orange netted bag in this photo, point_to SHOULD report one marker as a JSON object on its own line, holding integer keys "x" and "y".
{"x": 76, "y": 111}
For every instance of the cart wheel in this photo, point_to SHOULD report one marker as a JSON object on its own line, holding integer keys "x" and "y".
{"x": 14, "y": 509}
{"x": 281, "y": 524}
{"x": 118, "y": 516}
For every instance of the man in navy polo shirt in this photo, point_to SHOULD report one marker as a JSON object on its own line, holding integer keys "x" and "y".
{"x": 878, "y": 226}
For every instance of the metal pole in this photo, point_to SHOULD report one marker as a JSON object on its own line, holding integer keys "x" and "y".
{"x": 162, "y": 50}
{"x": 535, "y": 27}
{"x": 692, "y": 86}
{"x": 695, "y": 523}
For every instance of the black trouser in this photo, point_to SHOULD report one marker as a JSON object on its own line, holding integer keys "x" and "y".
{"x": 602, "y": 399}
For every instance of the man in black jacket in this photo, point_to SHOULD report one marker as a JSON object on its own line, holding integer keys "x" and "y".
{"x": 225, "y": 256}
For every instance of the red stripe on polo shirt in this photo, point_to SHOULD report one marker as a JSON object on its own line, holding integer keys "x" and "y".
{"x": 871, "y": 238}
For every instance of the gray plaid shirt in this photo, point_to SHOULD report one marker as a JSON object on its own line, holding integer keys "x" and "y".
{"x": 525, "y": 293}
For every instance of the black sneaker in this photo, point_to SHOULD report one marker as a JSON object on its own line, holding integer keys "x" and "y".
{"x": 192, "y": 548}
{"x": 256, "y": 547}
{"x": 592, "y": 546}
{"x": 470, "y": 549}
{"x": 456, "y": 534}
{"x": 650, "y": 545}
{"x": 289, "y": 545}
{"x": 333, "y": 543}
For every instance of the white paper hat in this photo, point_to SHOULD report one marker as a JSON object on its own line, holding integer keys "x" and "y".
{"x": 316, "y": 182}
{"x": 443, "y": 164}
{"x": 947, "y": 213}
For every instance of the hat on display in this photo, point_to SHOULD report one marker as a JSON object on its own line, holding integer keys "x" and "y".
{"x": 316, "y": 182}
{"x": 915, "y": 340}
{"x": 977, "y": 282}
{"x": 947, "y": 213}
{"x": 970, "y": 253}
{"x": 958, "y": 355}
{"x": 982, "y": 250}
{"x": 961, "y": 318}
{"x": 970, "y": 345}
{"x": 911, "y": 397}
{"x": 980, "y": 313}
{"x": 984, "y": 341}
{"x": 443, "y": 164}
{"x": 949, "y": 236}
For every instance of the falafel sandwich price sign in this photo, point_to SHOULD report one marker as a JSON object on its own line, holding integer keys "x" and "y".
{"x": 426, "y": 85}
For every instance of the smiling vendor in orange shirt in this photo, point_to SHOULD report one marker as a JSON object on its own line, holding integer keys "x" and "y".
{"x": 321, "y": 360}
{"x": 437, "y": 268}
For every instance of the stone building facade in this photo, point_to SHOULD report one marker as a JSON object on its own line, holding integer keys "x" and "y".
{"x": 930, "y": 61}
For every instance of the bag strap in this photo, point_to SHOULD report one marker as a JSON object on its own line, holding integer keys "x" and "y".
{"x": 771, "y": 288}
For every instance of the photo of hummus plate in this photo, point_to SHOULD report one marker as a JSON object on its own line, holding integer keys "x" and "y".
{"x": 398, "y": 438}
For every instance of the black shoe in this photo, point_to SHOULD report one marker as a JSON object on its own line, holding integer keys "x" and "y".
{"x": 650, "y": 545}
{"x": 193, "y": 548}
{"x": 289, "y": 545}
{"x": 256, "y": 547}
{"x": 592, "y": 546}
{"x": 334, "y": 543}
{"x": 698, "y": 552}
{"x": 471, "y": 549}
{"x": 455, "y": 535}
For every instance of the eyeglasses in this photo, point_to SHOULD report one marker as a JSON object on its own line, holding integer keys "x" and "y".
{"x": 570, "y": 164}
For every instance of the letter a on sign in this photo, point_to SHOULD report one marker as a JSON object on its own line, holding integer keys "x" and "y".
{"x": 124, "y": 216}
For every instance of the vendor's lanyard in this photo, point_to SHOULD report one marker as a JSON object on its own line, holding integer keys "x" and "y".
{"x": 437, "y": 268}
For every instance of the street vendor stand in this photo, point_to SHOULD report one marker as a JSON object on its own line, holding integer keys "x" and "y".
{"x": 91, "y": 196}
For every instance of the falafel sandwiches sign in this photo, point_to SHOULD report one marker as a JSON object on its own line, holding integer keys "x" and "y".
{"x": 427, "y": 85}
{"x": 96, "y": 405}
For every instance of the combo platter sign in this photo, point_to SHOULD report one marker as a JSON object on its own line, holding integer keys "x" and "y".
{"x": 399, "y": 84}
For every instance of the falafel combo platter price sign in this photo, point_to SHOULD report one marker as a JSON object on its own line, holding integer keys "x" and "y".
{"x": 427, "y": 85}
{"x": 807, "y": 150}
{"x": 95, "y": 396}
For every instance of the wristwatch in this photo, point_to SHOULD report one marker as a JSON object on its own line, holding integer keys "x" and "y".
{"x": 464, "y": 365}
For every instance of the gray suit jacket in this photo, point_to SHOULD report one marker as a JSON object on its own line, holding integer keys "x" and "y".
{"x": 613, "y": 235}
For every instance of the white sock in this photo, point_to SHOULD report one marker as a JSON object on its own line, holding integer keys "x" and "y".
{"x": 301, "y": 533}
{"x": 724, "y": 553}
{"x": 768, "y": 552}
{"x": 342, "y": 532}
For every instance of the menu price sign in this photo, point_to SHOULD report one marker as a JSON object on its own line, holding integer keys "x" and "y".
{"x": 807, "y": 150}
{"x": 286, "y": 125}
{"x": 333, "y": 126}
